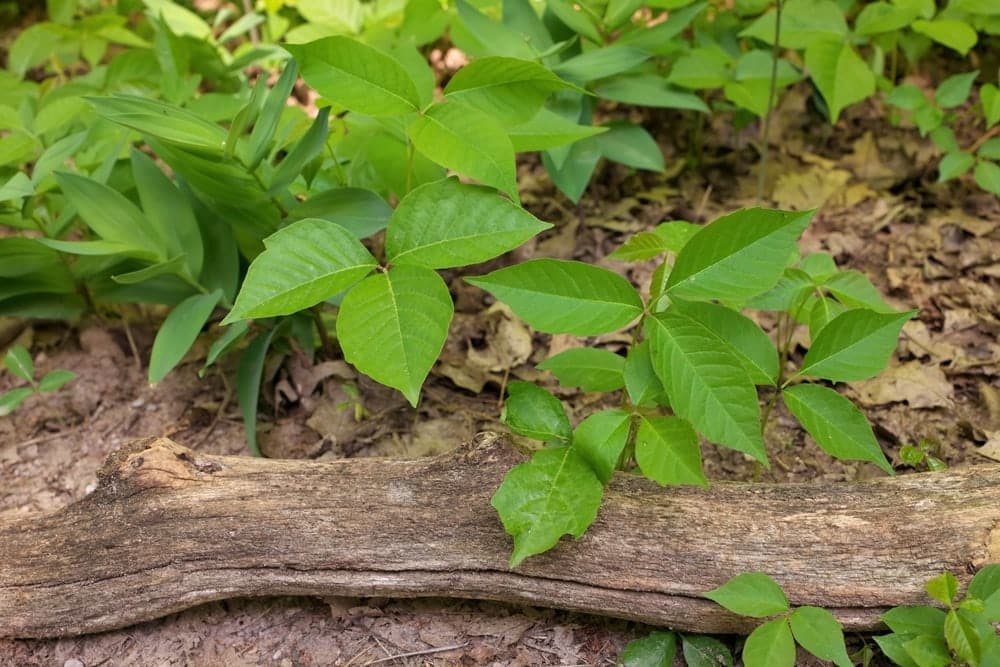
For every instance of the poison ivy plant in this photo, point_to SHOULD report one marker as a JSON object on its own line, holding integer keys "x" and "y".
{"x": 695, "y": 364}
{"x": 772, "y": 644}
{"x": 963, "y": 632}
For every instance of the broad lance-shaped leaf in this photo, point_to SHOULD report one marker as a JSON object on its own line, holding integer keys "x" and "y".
{"x": 305, "y": 149}
{"x": 744, "y": 339}
{"x": 448, "y": 223}
{"x": 558, "y": 296}
{"x": 738, "y": 256}
{"x": 666, "y": 449}
{"x": 535, "y": 413}
{"x": 469, "y": 141}
{"x": 356, "y": 76}
{"x": 166, "y": 122}
{"x": 303, "y": 264}
{"x": 392, "y": 326}
{"x": 547, "y": 129}
{"x": 112, "y": 217}
{"x": 770, "y": 645}
{"x": 840, "y": 74}
{"x": 855, "y": 345}
{"x": 359, "y": 211}
{"x": 168, "y": 212}
{"x": 539, "y": 501}
{"x": 509, "y": 89}
{"x": 834, "y": 423}
{"x": 601, "y": 438}
{"x": 587, "y": 368}
{"x": 706, "y": 383}
{"x": 178, "y": 333}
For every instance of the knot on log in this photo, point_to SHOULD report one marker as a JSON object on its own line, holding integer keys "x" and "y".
{"x": 155, "y": 463}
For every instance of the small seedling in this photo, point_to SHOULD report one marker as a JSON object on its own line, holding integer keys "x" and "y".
{"x": 18, "y": 363}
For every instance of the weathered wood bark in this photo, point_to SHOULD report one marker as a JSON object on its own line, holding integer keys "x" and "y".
{"x": 169, "y": 528}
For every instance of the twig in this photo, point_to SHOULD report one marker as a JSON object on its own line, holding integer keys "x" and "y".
{"x": 765, "y": 135}
{"x": 413, "y": 654}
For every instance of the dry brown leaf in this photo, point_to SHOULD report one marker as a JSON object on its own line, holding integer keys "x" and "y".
{"x": 919, "y": 385}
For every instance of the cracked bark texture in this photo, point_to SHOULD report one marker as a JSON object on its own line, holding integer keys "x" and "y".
{"x": 168, "y": 528}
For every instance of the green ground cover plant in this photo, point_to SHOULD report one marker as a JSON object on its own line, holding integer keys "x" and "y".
{"x": 18, "y": 363}
{"x": 922, "y": 636}
{"x": 148, "y": 155}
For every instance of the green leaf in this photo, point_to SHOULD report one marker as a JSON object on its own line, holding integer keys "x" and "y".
{"x": 879, "y": 17}
{"x": 855, "y": 345}
{"x": 168, "y": 213}
{"x": 469, "y": 141}
{"x": 270, "y": 114}
{"x": 539, "y": 501}
{"x": 803, "y": 22}
{"x": 164, "y": 121}
{"x": 853, "y": 289}
{"x": 113, "y": 217}
{"x": 839, "y": 427}
{"x": 660, "y": 38}
{"x": 643, "y": 385}
{"x": 943, "y": 588}
{"x": 907, "y": 96}
{"x": 231, "y": 335}
{"x": 248, "y": 376}
{"x": 18, "y": 362}
{"x": 392, "y": 326}
{"x": 817, "y": 631}
{"x": 648, "y": 90}
{"x": 178, "y": 332}
{"x": 987, "y": 176}
{"x": 496, "y": 37}
{"x": 53, "y": 380}
{"x": 706, "y": 383}
{"x": 956, "y": 35}
{"x": 576, "y": 18}
{"x": 357, "y": 76}
{"x": 303, "y": 264}
{"x": 557, "y": 296}
{"x": 600, "y": 63}
{"x": 751, "y": 594}
{"x": 10, "y": 400}
{"x": 573, "y": 174}
{"x": 985, "y": 586}
{"x": 738, "y": 256}
{"x": 989, "y": 96}
{"x": 840, "y": 74}
{"x": 962, "y": 637}
{"x": 535, "y": 413}
{"x": 97, "y": 248}
{"x": 173, "y": 266}
{"x": 547, "y": 129}
{"x": 822, "y": 312}
{"x": 669, "y": 236}
{"x": 927, "y": 651}
{"x": 770, "y": 645}
{"x": 740, "y": 335}
{"x": 308, "y": 147}
{"x": 632, "y": 146}
{"x": 508, "y": 89}
{"x": 588, "y": 368}
{"x": 989, "y": 150}
{"x": 601, "y": 438}
{"x": 700, "y": 69}
{"x": 447, "y": 223}
{"x": 892, "y": 646}
{"x": 655, "y": 650}
{"x": 954, "y": 165}
{"x": 666, "y": 449}
{"x": 915, "y": 620}
{"x": 702, "y": 651}
{"x": 359, "y": 211}
{"x": 955, "y": 89}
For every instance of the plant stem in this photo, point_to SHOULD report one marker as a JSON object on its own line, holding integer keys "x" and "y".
{"x": 324, "y": 335}
{"x": 766, "y": 130}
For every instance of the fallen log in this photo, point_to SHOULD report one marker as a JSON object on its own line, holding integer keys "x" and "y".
{"x": 169, "y": 528}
